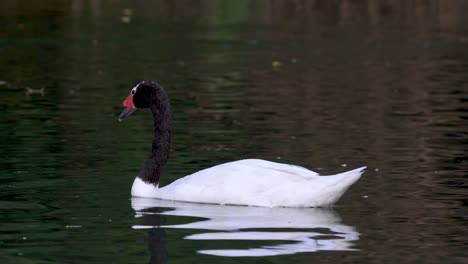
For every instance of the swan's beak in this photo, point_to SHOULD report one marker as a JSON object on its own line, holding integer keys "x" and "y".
{"x": 129, "y": 108}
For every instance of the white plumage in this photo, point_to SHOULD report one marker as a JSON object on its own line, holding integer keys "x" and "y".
{"x": 254, "y": 182}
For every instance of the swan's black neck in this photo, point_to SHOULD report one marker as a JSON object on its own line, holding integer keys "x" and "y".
{"x": 161, "y": 110}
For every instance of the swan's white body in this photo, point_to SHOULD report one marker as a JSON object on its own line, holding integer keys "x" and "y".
{"x": 254, "y": 182}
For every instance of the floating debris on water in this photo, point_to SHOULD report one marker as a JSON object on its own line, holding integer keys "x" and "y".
{"x": 127, "y": 15}
{"x": 126, "y": 19}
{"x": 344, "y": 165}
{"x": 276, "y": 64}
{"x": 30, "y": 91}
{"x": 73, "y": 226}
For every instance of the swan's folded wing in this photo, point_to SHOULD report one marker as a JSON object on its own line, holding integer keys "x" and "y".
{"x": 282, "y": 167}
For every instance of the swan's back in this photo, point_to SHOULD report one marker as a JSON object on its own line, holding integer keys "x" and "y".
{"x": 260, "y": 183}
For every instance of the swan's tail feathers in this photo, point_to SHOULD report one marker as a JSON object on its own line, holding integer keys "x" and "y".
{"x": 356, "y": 172}
{"x": 345, "y": 179}
{"x": 336, "y": 185}
{"x": 351, "y": 176}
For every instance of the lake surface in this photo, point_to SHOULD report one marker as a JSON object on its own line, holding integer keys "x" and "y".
{"x": 329, "y": 85}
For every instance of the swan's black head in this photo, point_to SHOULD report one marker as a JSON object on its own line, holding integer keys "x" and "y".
{"x": 142, "y": 95}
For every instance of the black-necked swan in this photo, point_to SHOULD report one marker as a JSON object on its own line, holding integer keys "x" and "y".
{"x": 252, "y": 182}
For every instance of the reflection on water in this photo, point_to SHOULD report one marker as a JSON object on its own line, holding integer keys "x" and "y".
{"x": 307, "y": 229}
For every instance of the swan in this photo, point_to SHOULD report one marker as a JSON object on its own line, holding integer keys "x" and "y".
{"x": 250, "y": 182}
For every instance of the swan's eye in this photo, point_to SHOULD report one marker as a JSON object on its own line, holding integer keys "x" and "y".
{"x": 134, "y": 89}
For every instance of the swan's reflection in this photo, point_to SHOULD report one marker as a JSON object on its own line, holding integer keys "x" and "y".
{"x": 309, "y": 229}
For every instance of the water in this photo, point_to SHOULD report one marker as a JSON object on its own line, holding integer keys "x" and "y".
{"x": 326, "y": 86}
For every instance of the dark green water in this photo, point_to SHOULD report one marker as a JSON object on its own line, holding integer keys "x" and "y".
{"x": 326, "y": 85}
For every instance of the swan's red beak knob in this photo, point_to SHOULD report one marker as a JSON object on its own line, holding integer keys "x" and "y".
{"x": 128, "y": 103}
{"x": 129, "y": 108}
